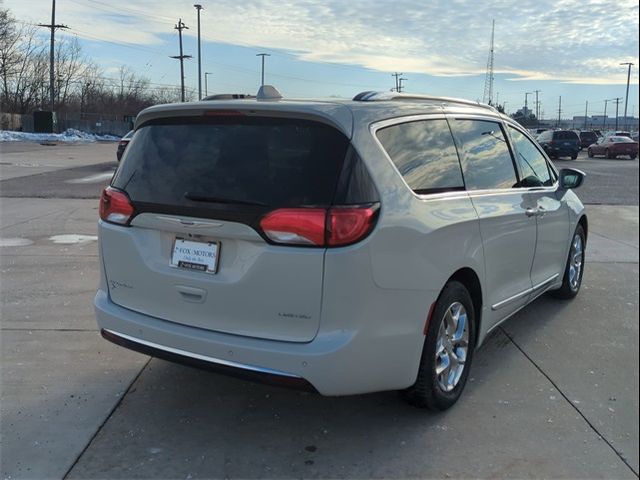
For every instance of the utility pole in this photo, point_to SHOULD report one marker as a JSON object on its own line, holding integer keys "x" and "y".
{"x": 198, "y": 7}
{"x": 604, "y": 117}
{"x": 400, "y": 87}
{"x": 206, "y": 90}
{"x": 559, "y": 110}
{"x": 537, "y": 107}
{"x": 526, "y": 108}
{"x": 617, "y": 100}
{"x": 397, "y": 75}
{"x": 52, "y": 78}
{"x": 262, "y": 76}
{"x": 586, "y": 108}
{"x": 181, "y": 26}
{"x": 626, "y": 98}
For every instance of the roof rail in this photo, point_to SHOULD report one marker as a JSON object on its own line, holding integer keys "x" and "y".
{"x": 371, "y": 96}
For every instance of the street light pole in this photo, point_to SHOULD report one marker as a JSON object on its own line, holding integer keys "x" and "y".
{"x": 262, "y": 76}
{"x": 626, "y": 99}
{"x": 206, "y": 89}
{"x": 198, "y": 7}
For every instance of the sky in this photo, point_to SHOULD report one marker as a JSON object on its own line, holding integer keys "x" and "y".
{"x": 325, "y": 48}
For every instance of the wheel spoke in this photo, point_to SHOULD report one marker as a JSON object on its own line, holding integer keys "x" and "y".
{"x": 443, "y": 363}
{"x": 460, "y": 330}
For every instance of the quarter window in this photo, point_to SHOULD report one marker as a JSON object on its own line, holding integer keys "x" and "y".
{"x": 533, "y": 166}
{"x": 486, "y": 160}
{"x": 425, "y": 155}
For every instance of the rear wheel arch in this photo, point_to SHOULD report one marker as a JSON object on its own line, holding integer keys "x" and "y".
{"x": 585, "y": 226}
{"x": 469, "y": 278}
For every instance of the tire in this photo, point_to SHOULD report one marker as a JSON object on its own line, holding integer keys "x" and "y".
{"x": 573, "y": 157}
{"x": 439, "y": 392}
{"x": 590, "y": 153}
{"x": 570, "y": 283}
{"x": 632, "y": 157}
{"x": 609, "y": 155}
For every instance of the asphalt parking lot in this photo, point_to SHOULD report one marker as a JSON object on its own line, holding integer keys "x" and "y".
{"x": 553, "y": 393}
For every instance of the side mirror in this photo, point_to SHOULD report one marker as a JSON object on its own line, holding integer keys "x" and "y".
{"x": 571, "y": 178}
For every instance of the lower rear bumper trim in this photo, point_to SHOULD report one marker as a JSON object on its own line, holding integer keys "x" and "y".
{"x": 217, "y": 365}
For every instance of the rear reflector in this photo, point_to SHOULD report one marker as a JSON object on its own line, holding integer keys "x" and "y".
{"x": 115, "y": 207}
{"x": 319, "y": 227}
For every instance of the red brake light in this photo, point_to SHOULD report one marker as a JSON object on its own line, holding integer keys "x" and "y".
{"x": 303, "y": 226}
{"x": 319, "y": 227}
{"x": 347, "y": 225}
{"x": 115, "y": 207}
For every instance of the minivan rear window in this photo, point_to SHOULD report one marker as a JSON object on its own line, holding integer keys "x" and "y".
{"x": 566, "y": 135}
{"x": 195, "y": 161}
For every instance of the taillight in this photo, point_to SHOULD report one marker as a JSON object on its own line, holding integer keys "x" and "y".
{"x": 319, "y": 227}
{"x": 302, "y": 226}
{"x": 347, "y": 225}
{"x": 115, "y": 207}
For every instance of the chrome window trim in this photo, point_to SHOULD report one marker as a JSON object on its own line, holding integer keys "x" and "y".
{"x": 457, "y": 194}
{"x": 198, "y": 356}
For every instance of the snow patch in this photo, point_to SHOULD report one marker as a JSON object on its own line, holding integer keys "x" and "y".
{"x": 15, "y": 242}
{"x": 73, "y": 238}
{"x": 70, "y": 135}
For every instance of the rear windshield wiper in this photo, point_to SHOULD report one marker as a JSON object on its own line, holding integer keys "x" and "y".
{"x": 196, "y": 197}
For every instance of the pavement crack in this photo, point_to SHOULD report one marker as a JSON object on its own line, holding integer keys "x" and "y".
{"x": 614, "y": 240}
{"x": 588, "y": 422}
{"x": 108, "y": 417}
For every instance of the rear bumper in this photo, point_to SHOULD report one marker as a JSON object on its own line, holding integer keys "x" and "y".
{"x": 562, "y": 151}
{"x": 337, "y": 362}
{"x": 217, "y": 365}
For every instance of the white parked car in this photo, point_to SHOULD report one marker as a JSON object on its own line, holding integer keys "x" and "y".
{"x": 344, "y": 246}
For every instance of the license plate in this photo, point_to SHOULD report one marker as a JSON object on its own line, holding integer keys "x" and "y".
{"x": 199, "y": 256}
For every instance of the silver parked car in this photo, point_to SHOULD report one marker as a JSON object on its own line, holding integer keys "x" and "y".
{"x": 342, "y": 246}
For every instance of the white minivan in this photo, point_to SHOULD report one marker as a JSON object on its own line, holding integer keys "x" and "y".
{"x": 341, "y": 246}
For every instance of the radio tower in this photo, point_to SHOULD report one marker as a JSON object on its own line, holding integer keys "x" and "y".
{"x": 488, "y": 80}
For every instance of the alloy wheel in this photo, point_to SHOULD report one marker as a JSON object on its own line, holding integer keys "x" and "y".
{"x": 452, "y": 346}
{"x": 576, "y": 258}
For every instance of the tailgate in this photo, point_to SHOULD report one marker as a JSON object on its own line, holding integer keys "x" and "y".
{"x": 194, "y": 252}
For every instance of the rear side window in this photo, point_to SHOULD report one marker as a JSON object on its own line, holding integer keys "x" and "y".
{"x": 188, "y": 162}
{"x": 425, "y": 155}
{"x": 486, "y": 159}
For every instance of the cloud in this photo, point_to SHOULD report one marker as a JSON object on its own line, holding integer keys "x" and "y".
{"x": 566, "y": 40}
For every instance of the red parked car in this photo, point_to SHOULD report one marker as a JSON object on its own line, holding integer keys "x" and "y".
{"x": 614, "y": 146}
